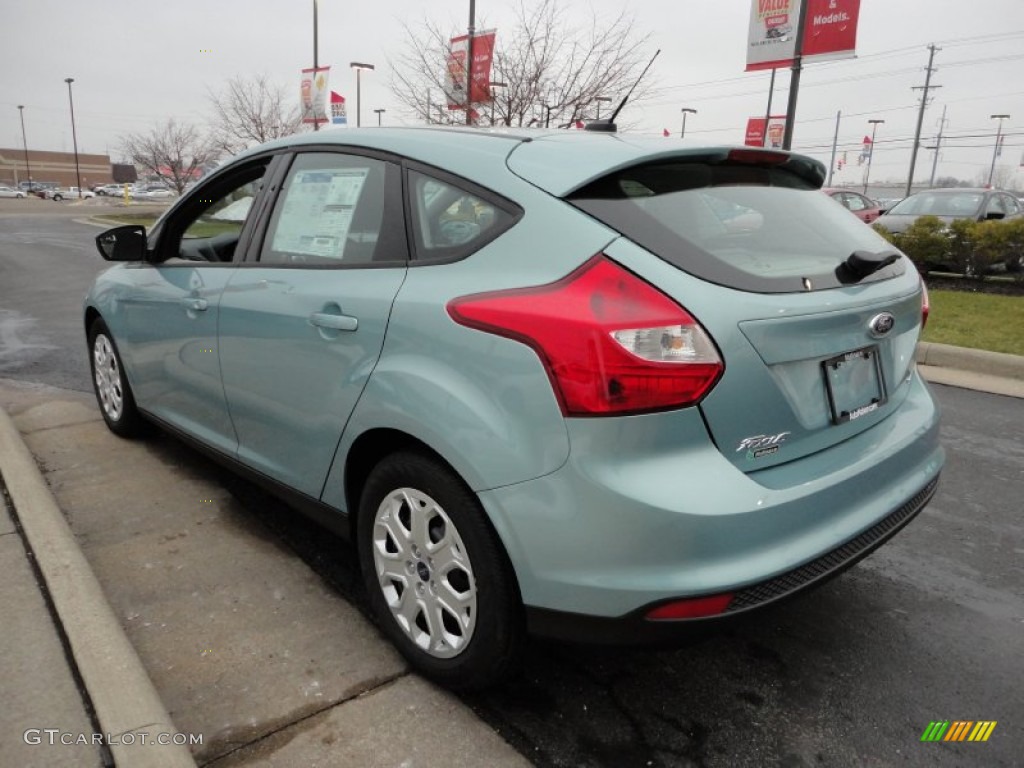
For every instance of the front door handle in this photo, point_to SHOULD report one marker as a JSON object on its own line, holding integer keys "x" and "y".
{"x": 194, "y": 304}
{"x": 334, "y": 322}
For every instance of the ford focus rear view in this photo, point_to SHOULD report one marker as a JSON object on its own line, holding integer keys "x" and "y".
{"x": 564, "y": 383}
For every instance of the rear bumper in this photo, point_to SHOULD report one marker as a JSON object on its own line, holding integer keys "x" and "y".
{"x": 634, "y": 628}
{"x": 647, "y": 511}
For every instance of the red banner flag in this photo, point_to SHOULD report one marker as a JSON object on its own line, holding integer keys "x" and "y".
{"x": 338, "y": 114}
{"x": 455, "y": 77}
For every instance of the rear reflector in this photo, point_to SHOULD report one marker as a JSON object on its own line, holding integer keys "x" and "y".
{"x": 612, "y": 343}
{"x": 691, "y": 609}
{"x": 926, "y": 305}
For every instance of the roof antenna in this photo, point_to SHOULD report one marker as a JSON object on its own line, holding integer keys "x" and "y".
{"x": 608, "y": 126}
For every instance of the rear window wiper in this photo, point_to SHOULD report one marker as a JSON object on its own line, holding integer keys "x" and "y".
{"x": 860, "y": 264}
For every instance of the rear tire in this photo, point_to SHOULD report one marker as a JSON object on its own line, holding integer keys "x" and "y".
{"x": 439, "y": 581}
{"x": 113, "y": 393}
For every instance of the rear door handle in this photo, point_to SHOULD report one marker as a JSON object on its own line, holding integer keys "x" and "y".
{"x": 335, "y": 322}
{"x": 196, "y": 305}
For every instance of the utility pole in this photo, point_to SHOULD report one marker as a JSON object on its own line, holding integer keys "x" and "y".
{"x": 835, "y": 141}
{"x": 938, "y": 145}
{"x": 932, "y": 50}
{"x": 794, "y": 78}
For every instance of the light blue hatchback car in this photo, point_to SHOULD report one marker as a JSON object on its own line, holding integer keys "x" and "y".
{"x": 563, "y": 382}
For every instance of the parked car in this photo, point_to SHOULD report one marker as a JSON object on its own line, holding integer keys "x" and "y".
{"x": 69, "y": 193}
{"x": 11, "y": 192}
{"x": 885, "y": 204}
{"x": 864, "y": 208}
{"x": 38, "y": 188}
{"x": 111, "y": 190}
{"x": 153, "y": 192}
{"x": 950, "y": 204}
{"x": 544, "y": 380}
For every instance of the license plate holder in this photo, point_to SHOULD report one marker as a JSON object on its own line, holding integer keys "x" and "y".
{"x": 854, "y": 384}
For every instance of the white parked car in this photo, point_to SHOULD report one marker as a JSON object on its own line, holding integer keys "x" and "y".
{"x": 11, "y": 192}
{"x": 68, "y": 193}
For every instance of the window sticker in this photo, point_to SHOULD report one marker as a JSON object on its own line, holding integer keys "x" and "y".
{"x": 317, "y": 212}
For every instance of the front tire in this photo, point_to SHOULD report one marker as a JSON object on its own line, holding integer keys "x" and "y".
{"x": 438, "y": 578}
{"x": 113, "y": 393}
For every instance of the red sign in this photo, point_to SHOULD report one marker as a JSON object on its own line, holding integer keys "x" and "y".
{"x": 756, "y": 132}
{"x": 830, "y": 32}
{"x": 831, "y": 29}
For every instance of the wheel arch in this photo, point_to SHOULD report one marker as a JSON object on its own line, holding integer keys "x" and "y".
{"x": 373, "y": 446}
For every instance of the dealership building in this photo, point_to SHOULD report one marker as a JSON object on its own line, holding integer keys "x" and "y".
{"x": 59, "y": 167}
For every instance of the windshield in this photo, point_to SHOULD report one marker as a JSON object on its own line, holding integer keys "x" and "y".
{"x": 754, "y": 228}
{"x": 962, "y": 204}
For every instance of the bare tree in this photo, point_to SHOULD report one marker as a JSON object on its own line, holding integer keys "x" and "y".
{"x": 250, "y": 112}
{"x": 553, "y": 68}
{"x": 1002, "y": 177}
{"x": 173, "y": 151}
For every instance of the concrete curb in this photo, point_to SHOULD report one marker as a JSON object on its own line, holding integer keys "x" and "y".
{"x": 973, "y": 360}
{"x": 123, "y": 696}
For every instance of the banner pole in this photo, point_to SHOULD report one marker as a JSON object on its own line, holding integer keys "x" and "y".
{"x": 316, "y": 64}
{"x": 469, "y": 63}
{"x": 794, "y": 79}
{"x": 768, "y": 112}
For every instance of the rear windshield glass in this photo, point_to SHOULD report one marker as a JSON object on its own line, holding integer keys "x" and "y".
{"x": 755, "y": 228}
{"x": 940, "y": 204}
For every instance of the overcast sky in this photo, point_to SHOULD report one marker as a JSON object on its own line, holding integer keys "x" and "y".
{"x": 137, "y": 63}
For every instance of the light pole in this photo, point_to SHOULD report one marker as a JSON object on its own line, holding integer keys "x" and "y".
{"x": 874, "y": 129}
{"x": 379, "y": 113}
{"x": 493, "y": 99}
{"x": 599, "y": 99}
{"x": 24, "y": 143}
{"x": 995, "y": 149}
{"x": 686, "y": 111}
{"x": 359, "y": 67}
{"x": 74, "y": 137}
{"x": 316, "y": 62}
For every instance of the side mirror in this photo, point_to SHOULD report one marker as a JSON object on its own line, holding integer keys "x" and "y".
{"x": 127, "y": 243}
{"x": 993, "y": 215}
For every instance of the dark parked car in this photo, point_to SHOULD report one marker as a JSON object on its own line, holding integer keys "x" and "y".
{"x": 949, "y": 205}
{"x": 864, "y": 208}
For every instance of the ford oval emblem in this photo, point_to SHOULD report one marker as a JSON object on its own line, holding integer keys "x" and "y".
{"x": 882, "y": 324}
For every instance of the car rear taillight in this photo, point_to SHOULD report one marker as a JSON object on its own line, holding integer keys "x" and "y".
{"x": 926, "y": 305}
{"x": 612, "y": 343}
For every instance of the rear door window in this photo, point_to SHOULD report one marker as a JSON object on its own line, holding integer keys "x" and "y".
{"x": 756, "y": 228}
{"x": 451, "y": 220}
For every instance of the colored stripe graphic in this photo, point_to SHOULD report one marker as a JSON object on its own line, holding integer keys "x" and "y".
{"x": 935, "y": 730}
{"x": 959, "y": 730}
{"x": 982, "y": 730}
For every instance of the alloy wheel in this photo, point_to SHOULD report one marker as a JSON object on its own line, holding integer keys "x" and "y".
{"x": 108, "y": 377}
{"x": 424, "y": 573}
